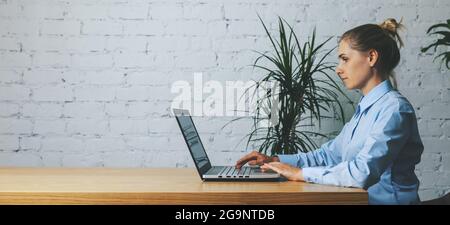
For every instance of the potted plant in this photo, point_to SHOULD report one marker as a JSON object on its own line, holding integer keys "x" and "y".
{"x": 305, "y": 91}
{"x": 442, "y": 42}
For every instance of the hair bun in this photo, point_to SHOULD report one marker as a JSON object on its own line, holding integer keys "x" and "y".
{"x": 391, "y": 26}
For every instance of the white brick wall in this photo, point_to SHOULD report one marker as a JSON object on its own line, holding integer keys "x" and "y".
{"x": 87, "y": 83}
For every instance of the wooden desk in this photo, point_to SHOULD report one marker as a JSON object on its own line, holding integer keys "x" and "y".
{"x": 157, "y": 186}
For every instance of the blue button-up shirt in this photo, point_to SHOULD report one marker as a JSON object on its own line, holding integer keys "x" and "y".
{"x": 376, "y": 150}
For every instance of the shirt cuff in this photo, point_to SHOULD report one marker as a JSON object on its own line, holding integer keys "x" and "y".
{"x": 296, "y": 160}
{"x": 314, "y": 174}
{"x": 289, "y": 159}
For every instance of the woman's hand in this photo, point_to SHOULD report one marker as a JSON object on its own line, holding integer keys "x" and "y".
{"x": 285, "y": 170}
{"x": 255, "y": 158}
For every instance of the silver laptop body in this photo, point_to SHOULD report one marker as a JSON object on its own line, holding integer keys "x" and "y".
{"x": 208, "y": 172}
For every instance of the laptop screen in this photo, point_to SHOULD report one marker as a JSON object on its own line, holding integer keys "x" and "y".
{"x": 193, "y": 141}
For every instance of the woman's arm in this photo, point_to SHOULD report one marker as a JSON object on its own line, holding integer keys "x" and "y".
{"x": 328, "y": 154}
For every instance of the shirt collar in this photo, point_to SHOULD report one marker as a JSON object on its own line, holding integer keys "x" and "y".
{"x": 376, "y": 93}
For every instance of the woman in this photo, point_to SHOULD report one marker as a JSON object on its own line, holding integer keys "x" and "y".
{"x": 379, "y": 147}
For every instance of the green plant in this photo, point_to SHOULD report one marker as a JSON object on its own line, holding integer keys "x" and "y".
{"x": 443, "y": 42}
{"x": 304, "y": 92}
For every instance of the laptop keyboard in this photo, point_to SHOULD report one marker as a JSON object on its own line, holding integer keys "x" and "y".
{"x": 231, "y": 171}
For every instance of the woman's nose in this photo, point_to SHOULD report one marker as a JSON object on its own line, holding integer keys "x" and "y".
{"x": 339, "y": 71}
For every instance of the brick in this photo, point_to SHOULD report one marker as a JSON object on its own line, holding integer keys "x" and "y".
{"x": 133, "y": 93}
{"x": 200, "y": 43}
{"x": 94, "y": 93}
{"x": 217, "y": 28}
{"x": 85, "y": 44}
{"x": 20, "y": 159}
{"x": 409, "y": 13}
{"x": 166, "y": 11}
{"x": 9, "y": 44}
{"x": 128, "y": 127}
{"x": 74, "y": 77}
{"x": 168, "y": 159}
{"x": 47, "y": 43}
{"x": 129, "y": 12}
{"x": 160, "y": 93}
{"x": 62, "y": 44}
{"x": 239, "y": 11}
{"x": 34, "y": 77}
{"x": 8, "y": 109}
{"x": 105, "y": 144}
{"x": 126, "y": 44}
{"x": 234, "y": 44}
{"x": 147, "y": 142}
{"x": 53, "y": 93}
{"x": 63, "y": 144}
{"x": 97, "y": 61}
{"x": 52, "y": 159}
{"x": 434, "y": 111}
{"x": 188, "y": 27}
{"x": 428, "y": 194}
{"x": 203, "y": 11}
{"x": 419, "y": 96}
{"x": 36, "y": 11}
{"x": 54, "y": 60}
{"x": 10, "y": 10}
{"x": 163, "y": 62}
{"x": 14, "y": 93}
{"x": 196, "y": 60}
{"x": 123, "y": 159}
{"x": 165, "y": 44}
{"x": 433, "y": 127}
{"x": 239, "y": 28}
{"x": 147, "y": 78}
{"x": 82, "y": 160}
{"x": 14, "y": 60}
{"x": 434, "y": 145}
{"x": 104, "y": 77}
{"x": 134, "y": 60}
{"x": 429, "y": 162}
{"x": 30, "y": 143}
{"x": 139, "y": 109}
{"x": 150, "y": 27}
{"x": 10, "y": 76}
{"x": 116, "y": 109}
{"x": 9, "y": 142}
{"x": 101, "y": 28}
{"x": 41, "y": 110}
{"x": 162, "y": 125}
{"x": 87, "y": 126}
{"x": 446, "y": 162}
{"x": 444, "y": 180}
{"x": 15, "y": 126}
{"x": 84, "y": 110}
{"x": 49, "y": 127}
{"x": 446, "y": 127}
{"x": 19, "y": 27}
{"x": 433, "y": 14}
{"x": 60, "y": 27}
{"x": 87, "y": 12}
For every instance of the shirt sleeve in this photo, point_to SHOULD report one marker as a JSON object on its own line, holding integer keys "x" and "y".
{"x": 386, "y": 139}
{"x": 327, "y": 155}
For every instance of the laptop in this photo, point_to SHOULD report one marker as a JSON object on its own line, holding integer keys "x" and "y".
{"x": 208, "y": 172}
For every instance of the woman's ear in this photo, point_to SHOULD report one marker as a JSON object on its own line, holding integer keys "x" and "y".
{"x": 373, "y": 57}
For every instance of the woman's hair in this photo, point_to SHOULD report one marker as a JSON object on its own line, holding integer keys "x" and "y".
{"x": 384, "y": 39}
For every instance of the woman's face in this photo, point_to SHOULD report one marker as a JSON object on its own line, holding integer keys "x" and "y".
{"x": 354, "y": 67}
